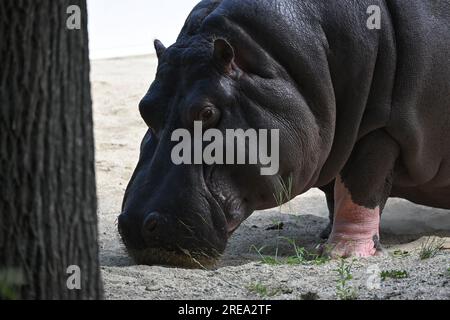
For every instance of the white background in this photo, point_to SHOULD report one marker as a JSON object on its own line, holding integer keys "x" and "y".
{"x": 128, "y": 27}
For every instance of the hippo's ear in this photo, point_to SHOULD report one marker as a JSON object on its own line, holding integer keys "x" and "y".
{"x": 159, "y": 47}
{"x": 223, "y": 54}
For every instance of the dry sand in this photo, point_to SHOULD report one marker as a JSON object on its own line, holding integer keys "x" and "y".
{"x": 117, "y": 87}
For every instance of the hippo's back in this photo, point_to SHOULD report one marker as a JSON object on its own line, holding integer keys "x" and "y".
{"x": 300, "y": 34}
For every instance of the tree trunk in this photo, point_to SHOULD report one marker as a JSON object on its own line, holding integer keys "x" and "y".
{"x": 48, "y": 218}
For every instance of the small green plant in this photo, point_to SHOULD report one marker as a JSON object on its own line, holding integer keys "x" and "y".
{"x": 264, "y": 258}
{"x": 394, "y": 274}
{"x": 279, "y": 199}
{"x": 448, "y": 271}
{"x": 262, "y": 290}
{"x": 10, "y": 280}
{"x": 278, "y": 240}
{"x": 430, "y": 248}
{"x": 285, "y": 194}
{"x": 301, "y": 256}
{"x": 344, "y": 290}
{"x": 400, "y": 253}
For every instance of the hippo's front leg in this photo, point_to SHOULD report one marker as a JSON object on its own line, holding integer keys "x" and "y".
{"x": 360, "y": 193}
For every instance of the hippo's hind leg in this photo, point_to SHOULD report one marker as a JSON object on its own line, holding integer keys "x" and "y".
{"x": 329, "y": 194}
{"x": 360, "y": 193}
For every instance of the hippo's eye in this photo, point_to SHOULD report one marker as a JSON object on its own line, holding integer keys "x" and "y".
{"x": 208, "y": 115}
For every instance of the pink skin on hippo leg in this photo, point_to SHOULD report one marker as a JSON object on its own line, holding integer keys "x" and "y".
{"x": 355, "y": 228}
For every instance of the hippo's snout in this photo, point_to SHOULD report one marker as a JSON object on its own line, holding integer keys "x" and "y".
{"x": 163, "y": 241}
{"x": 166, "y": 223}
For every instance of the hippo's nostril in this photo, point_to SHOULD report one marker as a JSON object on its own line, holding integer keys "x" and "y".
{"x": 151, "y": 222}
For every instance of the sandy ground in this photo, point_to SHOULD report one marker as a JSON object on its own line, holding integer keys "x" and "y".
{"x": 117, "y": 86}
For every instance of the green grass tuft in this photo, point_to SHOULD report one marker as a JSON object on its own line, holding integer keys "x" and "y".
{"x": 285, "y": 194}
{"x": 394, "y": 274}
{"x": 262, "y": 290}
{"x": 270, "y": 260}
{"x": 300, "y": 256}
{"x": 304, "y": 257}
{"x": 430, "y": 248}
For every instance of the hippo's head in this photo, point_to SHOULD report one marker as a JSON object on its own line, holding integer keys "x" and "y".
{"x": 183, "y": 214}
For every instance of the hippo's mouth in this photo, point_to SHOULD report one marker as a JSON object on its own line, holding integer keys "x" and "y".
{"x": 229, "y": 206}
{"x": 223, "y": 206}
{"x": 180, "y": 258}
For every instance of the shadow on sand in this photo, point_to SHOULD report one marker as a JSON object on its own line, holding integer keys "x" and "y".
{"x": 403, "y": 222}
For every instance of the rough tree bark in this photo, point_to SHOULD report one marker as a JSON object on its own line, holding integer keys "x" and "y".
{"x": 48, "y": 204}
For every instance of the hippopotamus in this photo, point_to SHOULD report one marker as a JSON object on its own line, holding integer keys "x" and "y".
{"x": 363, "y": 114}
